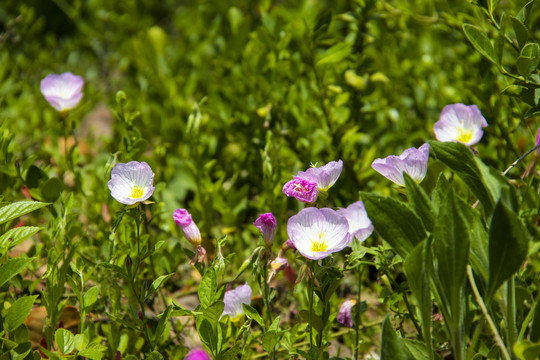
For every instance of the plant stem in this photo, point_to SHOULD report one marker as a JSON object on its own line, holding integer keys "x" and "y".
{"x": 357, "y": 322}
{"x": 511, "y": 313}
{"x": 311, "y": 284}
{"x": 483, "y": 307}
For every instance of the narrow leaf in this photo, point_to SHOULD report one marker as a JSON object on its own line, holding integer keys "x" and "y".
{"x": 508, "y": 246}
{"x": 90, "y": 297}
{"x": 419, "y": 202}
{"x": 12, "y": 267}
{"x": 392, "y": 346}
{"x": 17, "y": 235}
{"x": 252, "y": 313}
{"x": 480, "y": 41}
{"x": 522, "y": 34}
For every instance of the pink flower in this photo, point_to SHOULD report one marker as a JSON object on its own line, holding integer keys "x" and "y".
{"x": 360, "y": 225}
{"x": 317, "y": 233}
{"x": 183, "y": 219}
{"x": 234, "y": 299}
{"x": 267, "y": 224}
{"x": 413, "y": 161}
{"x": 305, "y": 190}
{"x": 345, "y": 313}
{"x": 460, "y": 123}
{"x": 197, "y": 354}
{"x": 63, "y": 91}
{"x": 325, "y": 176}
{"x": 131, "y": 182}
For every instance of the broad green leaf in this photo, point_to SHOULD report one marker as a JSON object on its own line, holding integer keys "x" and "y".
{"x": 392, "y": 346}
{"x": 17, "y": 235}
{"x": 442, "y": 188}
{"x": 523, "y": 14}
{"x": 18, "y": 312}
{"x": 51, "y": 189}
{"x": 13, "y": 211}
{"x": 480, "y": 41}
{"x": 80, "y": 341}
{"x": 451, "y": 249}
{"x": 528, "y": 59}
{"x": 522, "y": 34}
{"x": 92, "y": 354}
{"x": 232, "y": 353}
{"x": 65, "y": 341}
{"x": 508, "y": 246}
{"x": 154, "y": 355}
{"x": 90, "y": 297}
{"x": 214, "y": 312}
{"x": 269, "y": 340}
{"x": 207, "y": 334}
{"x": 208, "y": 287}
{"x": 419, "y": 202}
{"x": 395, "y": 222}
{"x": 417, "y": 268}
{"x": 527, "y": 350}
{"x": 156, "y": 284}
{"x": 12, "y": 267}
{"x": 418, "y": 350}
{"x": 460, "y": 158}
{"x": 252, "y": 313}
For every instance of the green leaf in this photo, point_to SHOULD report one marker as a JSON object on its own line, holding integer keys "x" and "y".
{"x": 508, "y": 246}
{"x": 207, "y": 334}
{"x": 522, "y": 34}
{"x": 528, "y": 59}
{"x": 252, "y": 313}
{"x": 392, "y": 346}
{"x": 481, "y": 42}
{"x": 214, "y": 312}
{"x": 90, "y": 297}
{"x": 17, "y": 235}
{"x": 12, "y": 211}
{"x": 232, "y": 353}
{"x": 92, "y": 354}
{"x": 208, "y": 287}
{"x": 451, "y": 249}
{"x": 156, "y": 284}
{"x": 418, "y": 268}
{"x": 35, "y": 176}
{"x": 460, "y": 158}
{"x": 395, "y": 222}
{"x": 534, "y": 112}
{"x": 12, "y": 267}
{"x": 523, "y": 14}
{"x": 51, "y": 189}
{"x": 80, "y": 341}
{"x": 269, "y": 340}
{"x": 527, "y": 350}
{"x": 335, "y": 54}
{"x": 419, "y": 201}
{"x": 162, "y": 324}
{"x": 18, "y": 312}
{"x": 64, "y": 340}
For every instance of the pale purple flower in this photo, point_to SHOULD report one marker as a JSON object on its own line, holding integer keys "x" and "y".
{"x": 317, "y": 233}
{"x": 325, "y": 176}
{"x": 197, "y": 354}
{"x": 267, "y": 224}
{"x": 460, "y": 123}
{"x": 305, "y": 190}
{"x": 360, "y": 225}
{"x": 62, "y": 91}
{"x": 413, "y": 161}
{"x": 234, "y": 299}
{"x": 183, "y": 219}
{"x": 131, "y": 182}
{"x": 345, "y": 313}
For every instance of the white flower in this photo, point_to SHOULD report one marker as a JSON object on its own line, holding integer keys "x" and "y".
{"x": 413, "y": 161}
{"x": 234, "y": 299}
{"x": 460, "y": 123}
{"x": 132, "y": 182}
{"x": 359, "y": 223}
{"x": 63, "y": 91}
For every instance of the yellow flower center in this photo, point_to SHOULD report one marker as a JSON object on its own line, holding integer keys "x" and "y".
{"x": 320, "y": 244}
{"x": 137, "y": 192}
{"x": 464, "y": 135}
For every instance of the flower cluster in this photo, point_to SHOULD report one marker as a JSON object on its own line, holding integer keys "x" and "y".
{"x": 307, "y": 185}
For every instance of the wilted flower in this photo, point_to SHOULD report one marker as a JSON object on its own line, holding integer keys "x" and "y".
{"x": 316, "y": 233}
{"x": 131, "y": 182}
{"x": 413, "y": 161}
{"x": 197, "y": 354}
{"x": 325, "y": 176}
{"x": 276, "y": 266}
{"x": 62, "y": 91}
{"x": 305, "y": 190}
{"x": 234, "y": 299}
{"x": 267, "y": 224}
{"x": 360, "y": 225}
{"x": 345, "y": 313}
{"x": 460, "y": 123}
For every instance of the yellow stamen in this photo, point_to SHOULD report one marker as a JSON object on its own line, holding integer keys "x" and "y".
{"x": 464, "y": 135}
{"x": 319, "y": 245}
{"x": 137, "y": 192}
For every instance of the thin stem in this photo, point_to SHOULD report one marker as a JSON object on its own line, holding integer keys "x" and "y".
{"x": 528, "y": 319}
{"x": 358, "y": 319}
{"x": 311, "y": 285}
{"x": 511, "y": 312}
{"x": 483, "y": 307}
{"x": 519, "y": 160}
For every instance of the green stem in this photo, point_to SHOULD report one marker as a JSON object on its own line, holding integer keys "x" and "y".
{"x": 311, "y": 286}
{"x": 357, "y": 322}
{"x": 511, "y": 313}
{"x": 528, "y": 319}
